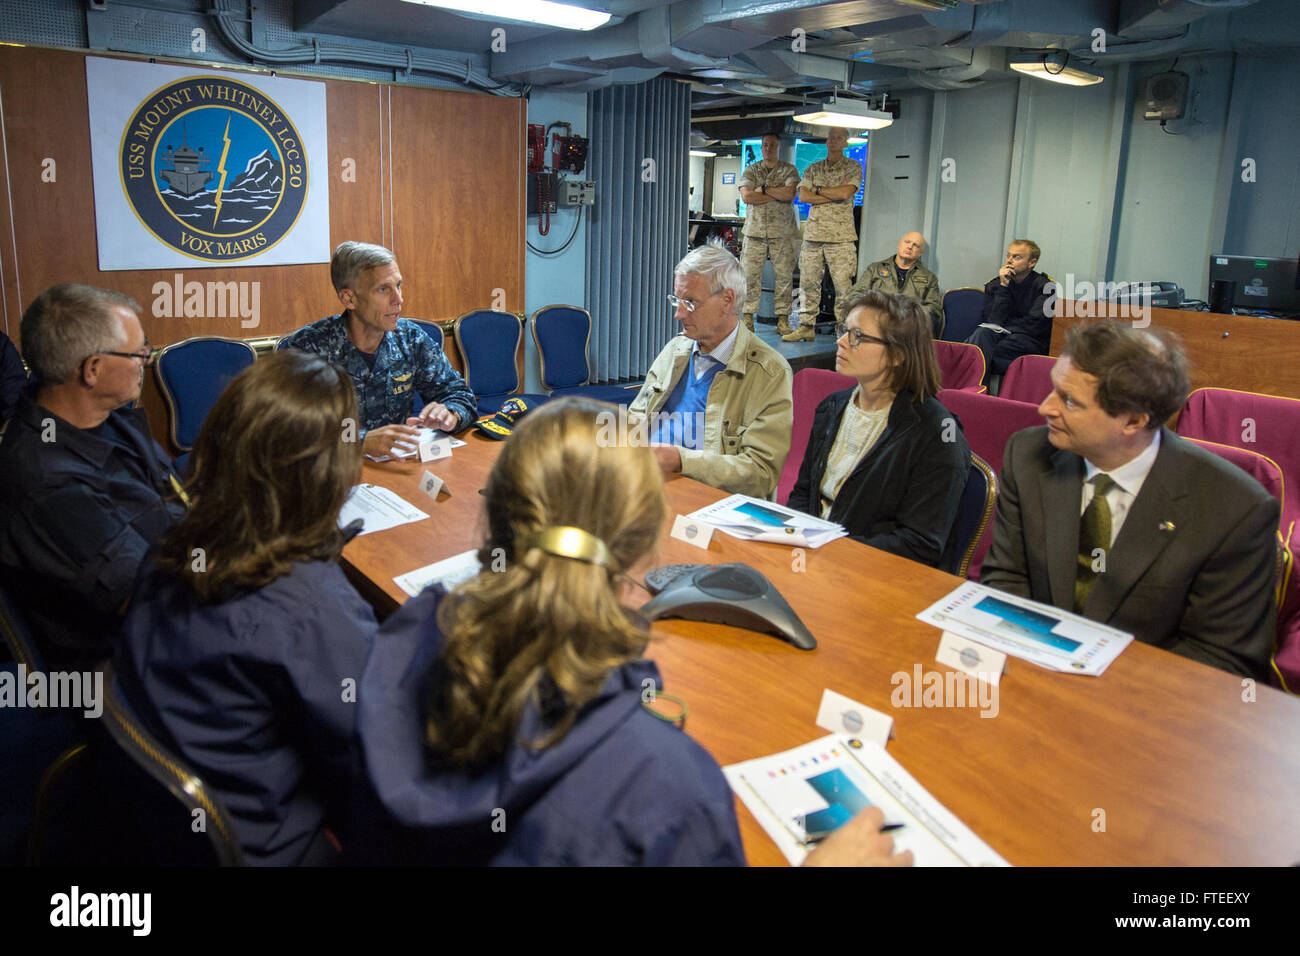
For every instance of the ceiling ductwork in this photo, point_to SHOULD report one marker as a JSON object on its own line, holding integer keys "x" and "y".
{"x": 982, "y": 60}
{"x": 1165, "y": 16}
{"x": 757, "y": 53}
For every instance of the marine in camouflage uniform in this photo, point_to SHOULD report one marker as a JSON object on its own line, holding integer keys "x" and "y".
{"x": 828, "y": 186}
{"x": 903, "y": 274}
{"x": 767, "y": 187}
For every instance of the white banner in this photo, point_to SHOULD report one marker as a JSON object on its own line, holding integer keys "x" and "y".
{"x": 200, "y": 169}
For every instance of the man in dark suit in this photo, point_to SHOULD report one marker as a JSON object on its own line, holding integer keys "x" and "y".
{"x": 1107, "y": 513}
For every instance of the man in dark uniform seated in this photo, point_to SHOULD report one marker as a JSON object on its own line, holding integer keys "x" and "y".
{"x": 84, "y": 488}
{"x": 1017, "y": 310}
{"x": 390, "y": 359}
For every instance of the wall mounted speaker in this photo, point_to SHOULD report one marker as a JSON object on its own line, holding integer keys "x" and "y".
{"x": 1165, "y": 96}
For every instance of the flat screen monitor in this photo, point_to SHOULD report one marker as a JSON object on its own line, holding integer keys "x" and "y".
{"x": 1269, "y": 285}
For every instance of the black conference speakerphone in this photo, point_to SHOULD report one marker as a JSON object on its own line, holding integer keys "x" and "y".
{"x": 733, "y": 594}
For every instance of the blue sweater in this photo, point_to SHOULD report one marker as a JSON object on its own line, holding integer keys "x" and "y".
{"x": 622, "y": 787}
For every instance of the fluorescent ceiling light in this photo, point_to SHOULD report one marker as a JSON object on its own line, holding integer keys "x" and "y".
{"x": 1053, "y": 65}
{"x": 850, "y": 114}
{"x": 543, "y": 12}
{"x": 703, "y": 153}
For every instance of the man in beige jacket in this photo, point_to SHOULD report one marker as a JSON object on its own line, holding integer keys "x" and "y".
{"x": 717, "y": 400}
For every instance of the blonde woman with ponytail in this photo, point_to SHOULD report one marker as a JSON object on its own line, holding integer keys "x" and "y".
{"x": 504, "y": 724}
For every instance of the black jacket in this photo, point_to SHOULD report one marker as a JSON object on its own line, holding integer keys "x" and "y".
{"x": 13, "y": 378}
{"x": 77, "y": 514}
{"x": 904, "y": 494}
{"x": 1024, "y": 307}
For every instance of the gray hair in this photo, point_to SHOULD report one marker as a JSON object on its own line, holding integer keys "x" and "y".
{"x": 68, "y": 323}
{"x": 719, "y": 268}
{"x": 350, "y": 259}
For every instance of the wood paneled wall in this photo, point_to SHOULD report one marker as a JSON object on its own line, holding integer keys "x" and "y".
{"x": 439, "y": 179}
{"x": 1228, "y": 351}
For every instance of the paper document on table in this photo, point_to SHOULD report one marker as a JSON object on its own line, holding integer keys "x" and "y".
{"x": 379, "y": 508}
{"x": 802, "y": 795}
{"x": 409, "y": 448}
{"x": 450, "y": 573}
{"x": 1039, "y": 633}
{"x": 755, "y": 519}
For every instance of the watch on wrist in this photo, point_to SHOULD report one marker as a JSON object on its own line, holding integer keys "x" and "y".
{"x": 763, "y": 189}
{"x": 817, "y": 190}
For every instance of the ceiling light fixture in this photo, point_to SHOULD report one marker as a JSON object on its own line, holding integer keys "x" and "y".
{"x": 850, "y": 114}
{"x": 542, "y": 12}
{"x": 1052, "y": 65}
{"x": 703, "y": 153}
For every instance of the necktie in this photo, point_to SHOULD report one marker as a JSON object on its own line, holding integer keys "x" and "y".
{"x": 1094, "y": 534}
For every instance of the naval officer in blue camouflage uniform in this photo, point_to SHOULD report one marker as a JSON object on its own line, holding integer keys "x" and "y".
{"x": 390, "y": 359}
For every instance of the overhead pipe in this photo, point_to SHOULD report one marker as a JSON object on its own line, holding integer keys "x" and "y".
{"x": 317, "y": 52}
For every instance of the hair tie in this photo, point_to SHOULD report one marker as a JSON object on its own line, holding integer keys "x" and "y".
{"x": 569, "y": 542}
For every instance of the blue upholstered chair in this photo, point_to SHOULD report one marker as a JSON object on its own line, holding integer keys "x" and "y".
{"x": 490, "y": 342}
{"x": 124, "y": 799}
{"x": 974, "y": 515}
{"x": 191, "y": 374}
{"x": 962, "y": 310}
{"x": 562, "y": 334}
{"x": 30, "y": 738}
{"x": 433, "y": 330}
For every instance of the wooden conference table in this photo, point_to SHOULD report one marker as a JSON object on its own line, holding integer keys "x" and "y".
{"x": 1160, "y": 750}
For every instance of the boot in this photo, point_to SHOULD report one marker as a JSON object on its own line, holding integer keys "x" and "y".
{"x": 807, "y": 332}
{"x": 783, "y": 325}
{"x": 749, "y": 320}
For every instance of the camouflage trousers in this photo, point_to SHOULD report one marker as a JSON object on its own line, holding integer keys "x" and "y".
{"x": 782, "y": 254}
{"x": 842, "y": 259}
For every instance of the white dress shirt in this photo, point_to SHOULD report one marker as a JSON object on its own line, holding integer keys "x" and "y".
{"x": 1128, "y": 480}
{"x": 721, "y": 354}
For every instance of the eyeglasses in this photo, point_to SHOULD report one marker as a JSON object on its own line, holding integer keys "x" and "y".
{"x": 145, "y": 355}
{"x": 856, "y": 337}
{"x": 690, "y": 304}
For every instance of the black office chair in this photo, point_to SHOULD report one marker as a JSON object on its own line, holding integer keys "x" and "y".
{"x": 123, "y": 799}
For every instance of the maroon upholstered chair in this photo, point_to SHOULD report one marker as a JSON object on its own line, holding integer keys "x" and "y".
{"x": 811, "y": 385}
{"x": 1267, "y": 424}
{"x": 988, "y": 421}
{"x": 1028, "y": 379}
{"x": 1286, "y": 652}
{"x": 960, "y": 365}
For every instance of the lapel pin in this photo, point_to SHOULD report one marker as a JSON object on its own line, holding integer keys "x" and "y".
{"x": 1166, "y": 526}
